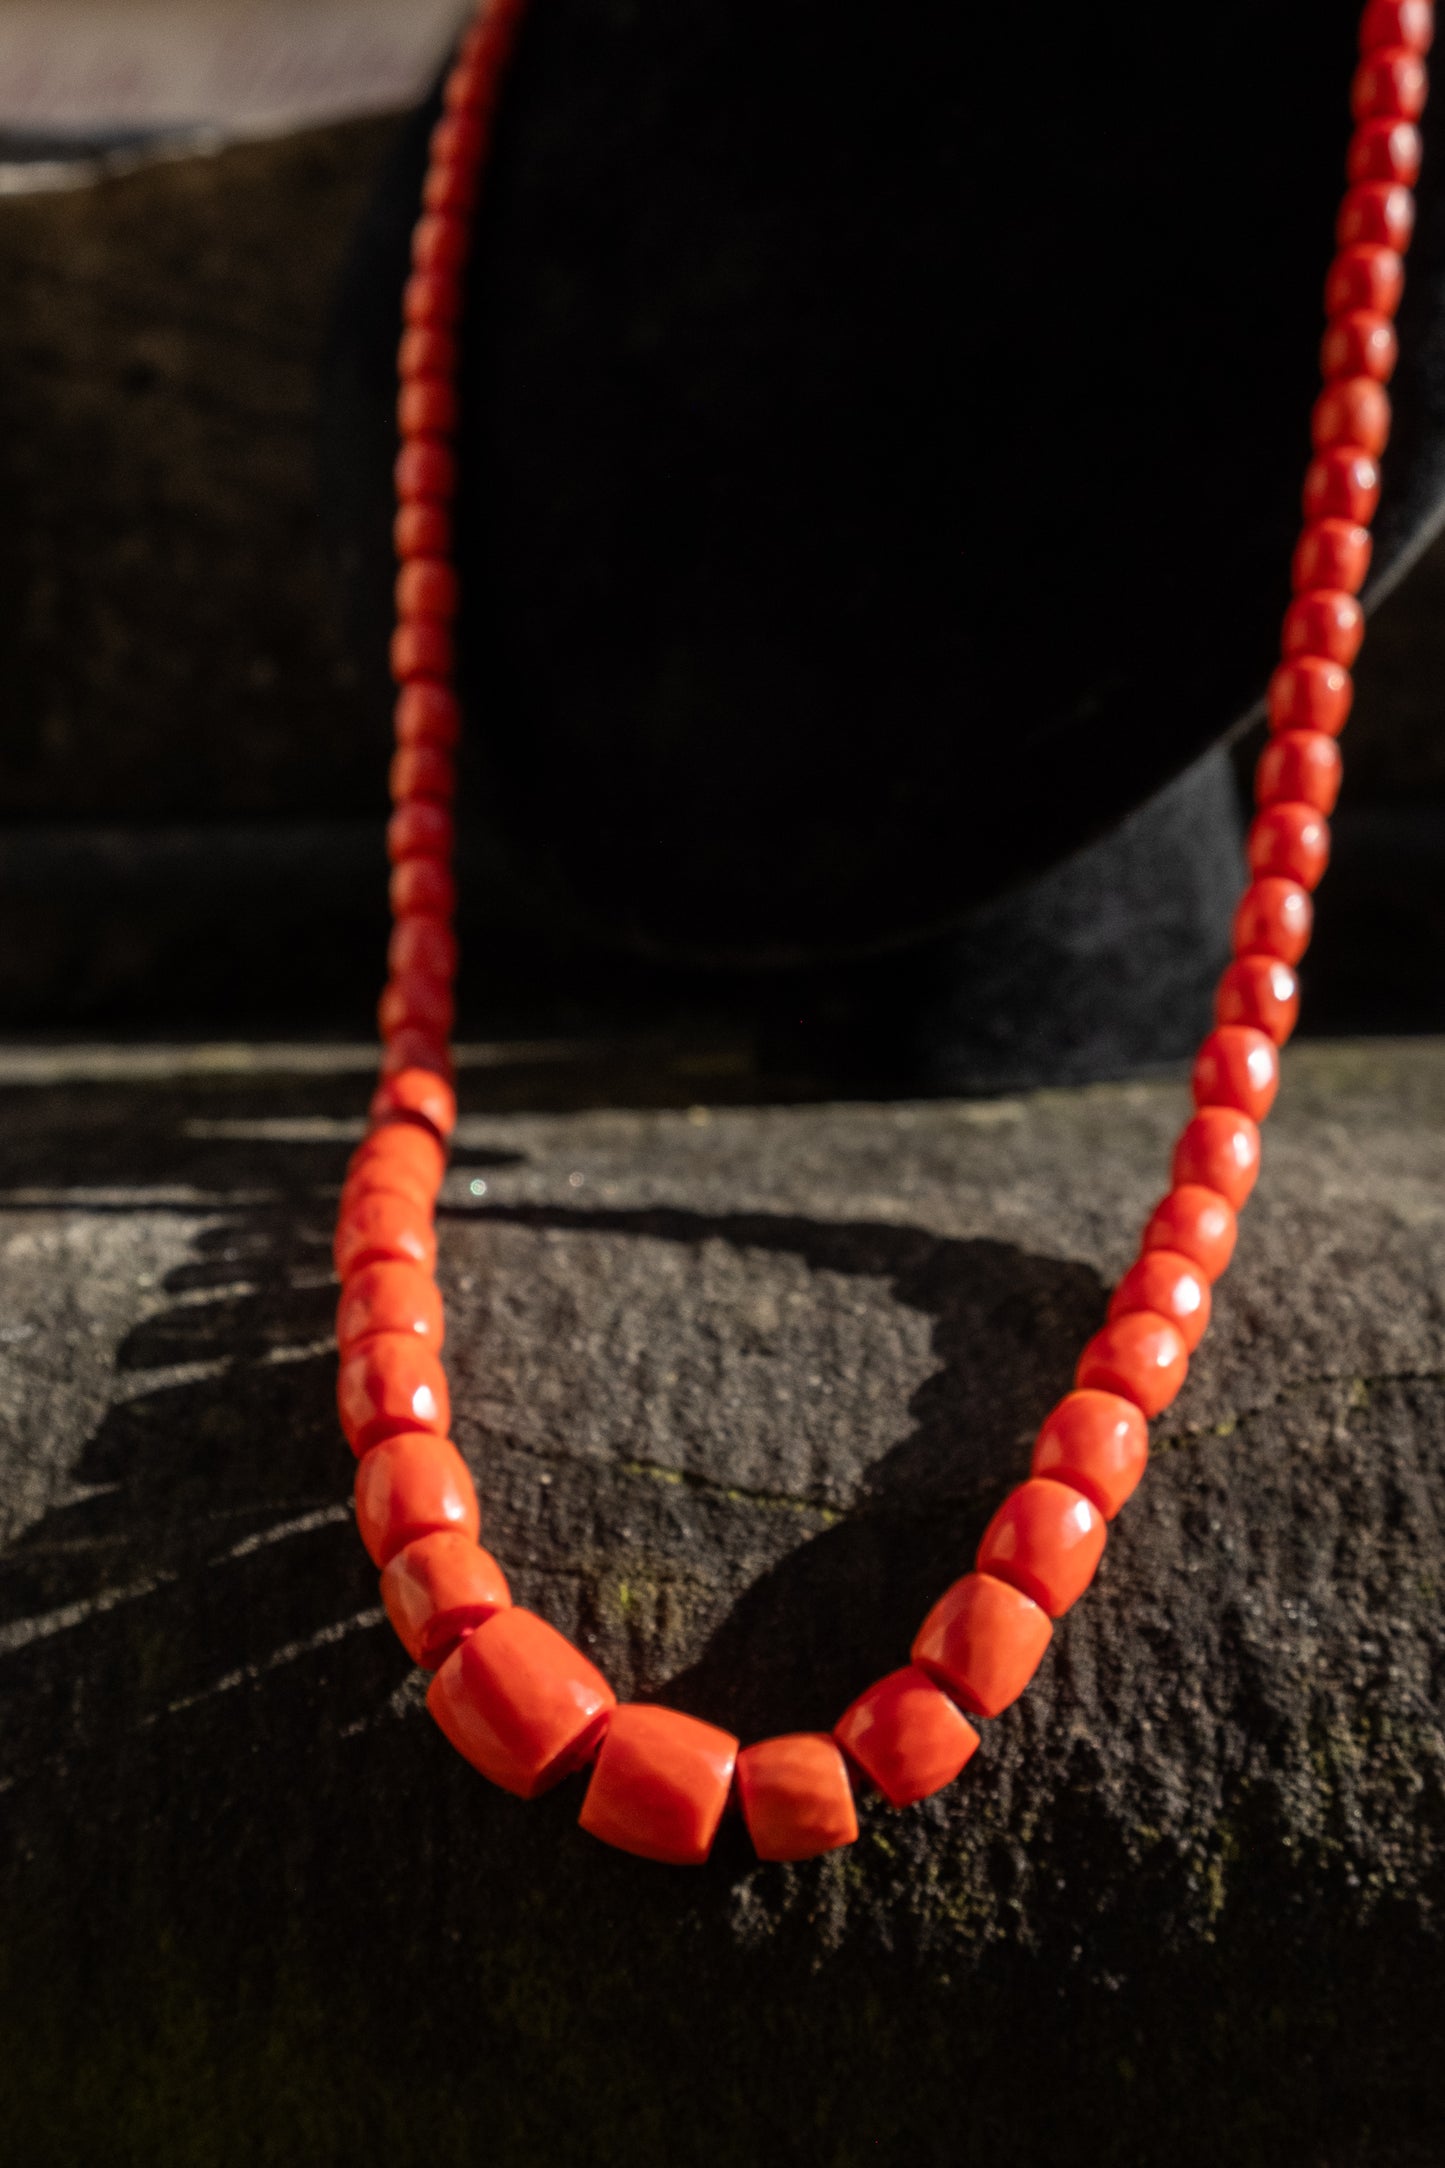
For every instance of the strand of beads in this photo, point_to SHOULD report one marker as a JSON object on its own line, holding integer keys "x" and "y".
{"x": 509, "y": 1691}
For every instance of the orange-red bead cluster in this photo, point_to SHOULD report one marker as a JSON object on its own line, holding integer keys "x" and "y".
{"x": 510, "y": 1692}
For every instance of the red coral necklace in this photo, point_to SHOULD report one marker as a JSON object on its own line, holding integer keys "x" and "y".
{"x": 510, "y": 1692}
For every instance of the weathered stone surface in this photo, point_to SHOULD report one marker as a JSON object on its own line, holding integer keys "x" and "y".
{"x": 739, "y": 1386}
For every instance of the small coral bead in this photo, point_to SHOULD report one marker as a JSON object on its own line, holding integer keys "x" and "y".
{"x": 1324, "y": 622}
{"x": 421, "y": 647}
{"x": 1262, "y": 991}
{"x": 1381, "y": 212}
{"x": 421, "y": 528}
{"x": 414, "y": 1048}
{"x": 426, "y": 587}
{"x": 419, "y": 829}
{"x": 416, "y": 1002}
{"x": 425, "y": 469}
{"x": 1310, "y": 693}
{"x": 457, "y": 138}
{"x": 388, "y": 1297}
{"x": 1165, "y": 1283}
{"x": 429, "y": 714}
{"x": 796, "y": 1796}
{"x": 660, "y": 1784}
{"x": 1397, "y": 22}
{"x": 429, "y": 297}
{"x": 1142, "y": 1356}
{"x": 520, "y": 1702}
{"x": 1385, "y": 150}
{"x": 907, "y": 1736}
{"x": 1237, "y": 1066}
{"x": 1198, "y": 1222}
{"x": 1359, "y": 343}
{"x": 422, "y": 944}
{"x": 1292, "y": 840}
{"x": 413, "y": 1485}
{"x": 399, "y": 1154}
{"x": 1332, "y": 553}
{"x": 391, "y": 1383}
{"x": 1390, "y": 83}
{"x": 1299, "y": 767}
{"x": 420, "y": 1094}
{"x": 1365, "y": 278}
{"x": 1047, "y": 1539}
{"x": 451, "y": 185}
{"x": 1275, "y": 918}
{"x": 422, "y": 771}
{"x": 438, "y": 1588}
{"x": 438, "y": 242}
{"x": 425, "y": 351}
{"x": 1218, "y": 1150}
{"x": 422, "y": 884}
{"x": 1341, "y": 483}
{"x": 982, "y": 1642}
{"x": 1354, "y": 411}
{"x": 378, "y": 1226}
{"x": 426, "y": 406}
{"x": 1096, "y": 1442}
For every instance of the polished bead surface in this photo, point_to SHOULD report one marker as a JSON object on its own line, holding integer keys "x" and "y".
{"x": 1198, "y": 1222}
{"x": 391, "y": 1383}
{"x": 417, "y": 1092}
{"x": 1275, "y": 917}
{"x": 907, "y": 1736}
{"x": 416, "y": 1001}
{"x": 1365, "y": 278}
{"x": 426, "y": 587}
{"x": 1299, "y": 767}
{"x": 421, "y": 647}
{"x": 422, "y": 884}
{"x": 413, "y": 1485}
{"x": 379, "y": 1225}
{"x": 660, "y": 1784}
{"x": 1376, "y": 211}
{"x": 415, "y": 1049}
{"x": 1291, "y": 839}
{"x": 1262, "y": 991}
{"x": 389, "y": 1297}
{"x": 1218, "y": 1150}
{"x": 1398, "y": 22}
{"x": 1332, "y": 553}
{"x": 1047, "y": 1538}
{"x": 431, "y": 298}
{"x": 423, "y": 944}
{"x": 1358, "y": 343}
{"x": 1096, "y": 1442}
{"x": 451, "y": 185}
{"x": 982, "y": 1642}
{"x": 401, "y": 1154}
{"x": 421, "y": 528}
{"x": 439, "y": 242}
{"x": 1355, "y": 411}
{"x": 428, "y": 714}
{"x": 419, "y": 829}
{"x": 796, "y": 1796}
{"x": 425, "y": 468}
{"x": 1141, "y": 1356}
{"x": 422, "y": 771}
{"x": 1237, "y": 1066}
{"x": 457, "y": 138}
{"x": 520, "y": 1702}
{"x": 1310, "y": 693}
{"x": 1165, "y": 1283}
{"x": 438, "y": 1588}
{"x": 426, "y": 406}
{"x": 1389, "y": 83}
{"x": 426, "y": 351}
{"x": 1385, "y": 150}
{"x": 1342, "y": 482}
{"x": 1324, "y": 622}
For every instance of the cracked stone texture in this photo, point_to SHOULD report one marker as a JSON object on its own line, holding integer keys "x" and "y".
{"x": 739, "y": 1386}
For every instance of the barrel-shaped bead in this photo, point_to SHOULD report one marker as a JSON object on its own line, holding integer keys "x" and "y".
{"x": 1292, "y": 840}
{"x": 422, "y": 771}
{"x": 417, "y": 1001}
{"x": 1398, "y": 22}
{"x": 520, "y": 1702}
{"x": 1365, "y": 277}
{"x": 1309, "y": 692}
{"x": 428, "y": 714}
{"x": 1166, "y": 1283}
{"x": 1197, "y": 1221}
{"x": 1389, "y": 83}
{"x": 401, "y": 1154}
{"x": 391, "y": 1383}
{"x": 1237, "y": 1066}
{"x": 1047, "y": 1539}
{"x": 906, "y": 1735}
{"x": 1096, "y": 1442}
{"x": 421, "y": 527}
{"x": 1299, "y": 767}
{"x": 379, "y": 1224}
{"x": 425, "y": 470}
{"x": 1140, "y": 1355}
{"x": 982, "y": 1642}
{"x": 421, "y": 647}
{"x": 423, "y": 944}
{"x": 419, "y": 829}
{"x": 1332, "y": 553}
{"x": 389, "y": 1298}
{"x": 1262, "y": 991}
{"x": 1274, "y": 917}
{"x": 1384, "y": 149}
{"x": 413, "y": 1485}
{"x": 1350, "y": 410}
{"x": 1219, "y": 1150}
{"x": 660, "y": 1784}
{"x": 422, "y": 884}
{"x": 419, "y": 1094}
{"x": 1324, "y": 622}
{"x": 438, "y": 1588}
{"x": 796, "y": 1796}
{"x": 1359, "y": 343}
{"x": 1381, "y": 212}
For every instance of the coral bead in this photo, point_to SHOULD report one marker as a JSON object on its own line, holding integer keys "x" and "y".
{"x": 1299, "y": 767}
{"x": 1397, "y": 22}
{"x": 1237, "y": 1066}
{"x": 380, "y": 1226}
{"x": 423, "y": 527}
{"x": 1389, "y": 84}
{"x": 1046, "y": 1539}
{"x": 414, "y": 1048}
{"x": 391, "y": 1383}
{"x": 1365, "y": 278}
{"x": 906, "y": 1735}
{"x": 1218, "y": 1150}
{"x": 429, "y": 297}
{"x": 982, "y": 1642}
{"x": 1141, "y": 1356}
{"x": 426, "y": 406}
{"x": 429, "y": 714}
{"x": 1098, "y": 1443}
{"x": 437, "y": 1589}
{"x": 1332, "y": 553}
{"x": 457, "y": 138}
{"x": 1377, "y": 212}
{"x": 422, "y": 884}
{"x": 422, "y": 944}
{"x": 420, "y": 1094}
{"x": 1385, "y": 150}
{"x": 520, "y": 1702}
{"x": 417, "y": 1003}
{"x": 419, "y": 829}
{"x": 389, "y": 1298}
{"x": 1358, "y": 344}
{"x": 1166, "y": 1284}
{"x": 401, "y": 1155}
{"x": 1262, "y": 991}
{"x": 1310, "y": 693}
{"x": 425, "y": 469}
{"x": 438, "y": 242}
{"x": 426, "y": 587}
{"x": 1342, "y": 483}
{"x": 796, "y": 1796}
{"x": 1198, "y": 1222}
{"x": 1292, "y": 840}
{"x": 660, "y": 1784}
{"x": 451, "y": 185}
{"x": 421, "y": 647}
{"x": 1274, "y": 918}
{"x": 425, "y": 350}
{"x": 413, "y": 1485}
{"x": 1324, "y": 622}
{"x": 422, "y": 771}
{"x": 1353, "y": 411}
